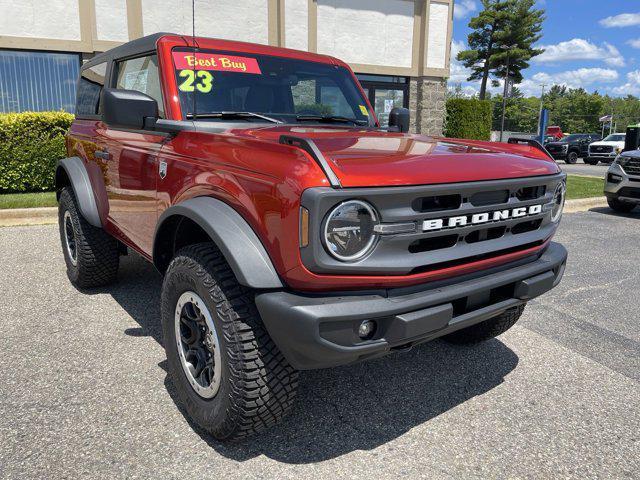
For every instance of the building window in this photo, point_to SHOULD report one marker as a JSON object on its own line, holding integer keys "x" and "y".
{"x": 37, "y": 81}
{"x": 385, "y": 93}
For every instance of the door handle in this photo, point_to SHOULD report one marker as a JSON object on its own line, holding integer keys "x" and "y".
{"x": 102, "y": 154}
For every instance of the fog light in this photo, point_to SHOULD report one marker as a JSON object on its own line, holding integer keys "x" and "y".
{"x": 367, "y": 329}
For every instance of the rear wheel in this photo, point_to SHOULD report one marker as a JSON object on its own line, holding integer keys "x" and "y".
{"x": 92, "y": 256}
{"x": 486, "y": 330}
{"x": 618, "y": 206}
{"x": 572, "y": 157}
{"x": 229, "y": 375}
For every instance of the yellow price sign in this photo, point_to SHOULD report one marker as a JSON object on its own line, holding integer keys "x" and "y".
{"x": 364, "y": 110}
{"x": 201, "y": 80}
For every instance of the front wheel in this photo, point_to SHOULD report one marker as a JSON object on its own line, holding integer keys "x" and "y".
{"x": 229, "y": 375}
{"x": 572, "y": 157}
{"x": 618, "y": 206}
{"x": 486, "y": 330}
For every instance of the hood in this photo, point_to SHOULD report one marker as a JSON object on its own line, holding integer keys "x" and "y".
{"x": 607, "y": 144}
{"x": 371, "y": 158}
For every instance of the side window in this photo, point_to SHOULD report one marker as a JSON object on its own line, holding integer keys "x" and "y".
{"x": 141, "y": 74}
{"x": 89, "y": 89}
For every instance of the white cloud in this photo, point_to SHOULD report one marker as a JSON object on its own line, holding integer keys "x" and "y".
{"x": 635, "y": 43}
{"x": 580, "y": 78}
{"x": 463, "y": 8}
{"x": 632, "y": 87}
{"x": 580, "y": 49}
{"x": 459, "y": 73}
{"x": 622, "y": 20}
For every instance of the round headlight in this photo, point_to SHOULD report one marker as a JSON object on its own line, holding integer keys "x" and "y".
{"x": 558, "y": 202}
{"x": 349, "y": 230}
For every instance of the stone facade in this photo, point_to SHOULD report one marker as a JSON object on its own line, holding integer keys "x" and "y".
{"x": 427, "y": 102}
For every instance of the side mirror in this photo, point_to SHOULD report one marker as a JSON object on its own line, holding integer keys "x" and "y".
{"x": 128, "y": 109}
{"x": 399, "y": 118}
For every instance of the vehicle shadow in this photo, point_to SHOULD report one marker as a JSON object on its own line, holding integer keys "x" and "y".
{"x": 357, "y": 407}
{"x": 635, "y": 214}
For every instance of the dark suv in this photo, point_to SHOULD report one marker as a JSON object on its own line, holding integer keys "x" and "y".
{"x": 572, "y": 147}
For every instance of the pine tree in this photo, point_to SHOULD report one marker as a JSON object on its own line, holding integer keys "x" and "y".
{"x": 503, "y": 28}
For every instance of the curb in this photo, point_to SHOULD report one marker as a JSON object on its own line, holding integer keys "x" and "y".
{"x": 11, "y": 217}
{"x": 583, "y": 204}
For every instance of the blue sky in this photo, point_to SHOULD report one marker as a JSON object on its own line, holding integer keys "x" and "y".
{"x": 593, "y": 44}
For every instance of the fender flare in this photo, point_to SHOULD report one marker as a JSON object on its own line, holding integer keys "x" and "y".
{"x": 82, "y": 189}
{"x": 237, "y": 241}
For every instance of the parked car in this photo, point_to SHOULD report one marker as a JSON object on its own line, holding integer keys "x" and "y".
{"x": 556, "y": 132}
{"x": 572, "y": 147}
{"x": 292, "y": 231}
{"x": 622, "y": 183}
{"x": 606, "y": 150}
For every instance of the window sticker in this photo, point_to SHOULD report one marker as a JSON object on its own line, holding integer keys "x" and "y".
{"x": 190, "y": 81}
{"x": 217, "y": 62}
{"x": 136, "y": 80}
{"x": 364, "y": 110}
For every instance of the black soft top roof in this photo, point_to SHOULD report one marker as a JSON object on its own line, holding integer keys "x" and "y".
{"x": 129, "y": 49}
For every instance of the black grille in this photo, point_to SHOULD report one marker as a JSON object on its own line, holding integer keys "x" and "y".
{"x": 483, "y": 199}
{"x": 632, "y": 166}
{"x": 554, "y": 148}
{"x": 601, "y": 149}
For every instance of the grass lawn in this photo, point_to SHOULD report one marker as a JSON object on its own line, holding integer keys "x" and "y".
{"x": 27, "y": 200}
{"x": 584, "y": 187}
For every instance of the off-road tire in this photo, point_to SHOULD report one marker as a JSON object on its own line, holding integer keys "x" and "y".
{"x": 589, "y": 161}
{"x": 258, "y": 386}
{"x": 572, "y": 158}
{"x": 618, "y": 206}
{"x": 486, "y": 330}
{"x": 97, "y": 252}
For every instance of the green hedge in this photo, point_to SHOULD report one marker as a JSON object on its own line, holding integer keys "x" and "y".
{"x": 468, "y": 118}
{"x": 30, "y": 145}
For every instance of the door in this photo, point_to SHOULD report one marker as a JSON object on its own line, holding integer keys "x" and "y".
{"x": 131, "y": 159}
{"x": 385, "y": 94}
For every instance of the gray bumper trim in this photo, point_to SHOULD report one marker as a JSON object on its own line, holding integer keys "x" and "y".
{"x": 319, "y": 332}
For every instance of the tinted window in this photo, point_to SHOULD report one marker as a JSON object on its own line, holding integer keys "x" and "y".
{"x": 141, "y": 74}
{"x": 615, "y": 138}
{"x": 38, "y": 81}
{"x": 89, "y": 88}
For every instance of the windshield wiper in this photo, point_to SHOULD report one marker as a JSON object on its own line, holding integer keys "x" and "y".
{"x": 329, "y": 119}
{"x": 192, "y": 116}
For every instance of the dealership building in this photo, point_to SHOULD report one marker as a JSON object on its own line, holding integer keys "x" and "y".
{"x": 399, "y": 49}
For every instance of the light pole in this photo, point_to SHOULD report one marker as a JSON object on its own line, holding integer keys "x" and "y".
{"x": 506, "y": 86}
{"x": 541, "y": 107}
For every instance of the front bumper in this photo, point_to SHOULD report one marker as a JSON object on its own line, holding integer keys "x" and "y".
{"x": 603, "y": 157}
{"x": 626, "y": 190}
{"x": 318, "y": 332}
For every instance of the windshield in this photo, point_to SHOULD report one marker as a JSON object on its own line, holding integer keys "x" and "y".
{"x": 283, "y": 89}
{"x": 615, "y": 138}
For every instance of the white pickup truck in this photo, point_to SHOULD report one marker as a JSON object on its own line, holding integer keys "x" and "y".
{"x": 606, "y": 150}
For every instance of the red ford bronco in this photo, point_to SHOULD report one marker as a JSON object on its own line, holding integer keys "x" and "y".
{"x": 292, "y": 231}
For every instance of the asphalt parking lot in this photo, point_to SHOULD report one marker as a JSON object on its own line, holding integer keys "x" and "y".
{"x": 582, "y": 168}
{"x": 84, "y": 393}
